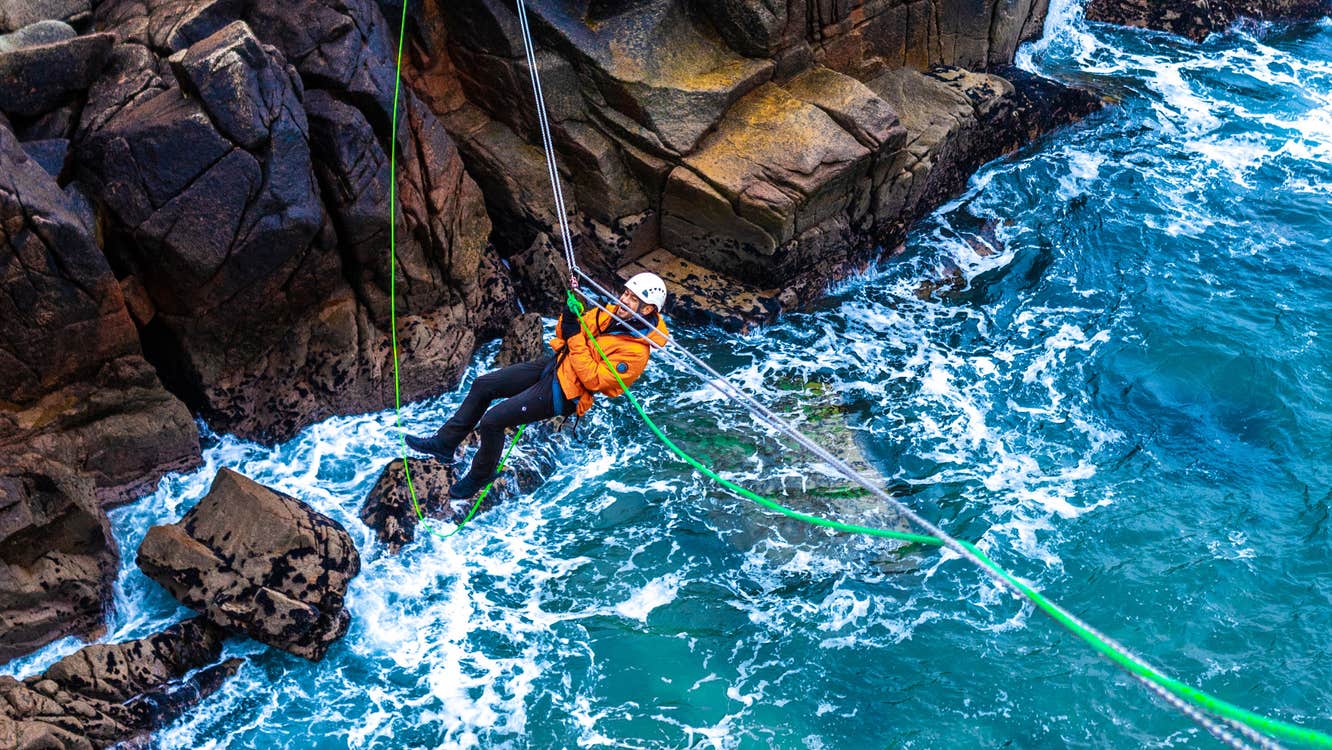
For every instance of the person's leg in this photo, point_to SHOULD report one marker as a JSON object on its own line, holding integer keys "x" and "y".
{"x": 532, "y": 405}
{"x": 500, "y": 383}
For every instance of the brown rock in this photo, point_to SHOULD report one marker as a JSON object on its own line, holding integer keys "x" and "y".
{"x": 57, "y": 556}
{"x": 782, "y": 164}
{"x": 1196, "y": 19}
{"x": 258, "y": 562}
{"x": 753, "y": 130}
{"x": 523, "y": 341}
{"x": 74, "y": 385}
{"x": 389, "y": 508}
{"x": 251, "y": 207}
{"x": 110, "y": 693}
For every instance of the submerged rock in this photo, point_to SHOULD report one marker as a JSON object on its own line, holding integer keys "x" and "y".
{"x": 109, "y": 693}
{"x": 257, "y": 562}
{"x": 1196, "y": 19}
{"x": 57, "y": 556}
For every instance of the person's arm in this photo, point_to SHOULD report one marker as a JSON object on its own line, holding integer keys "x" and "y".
{"x": 593, "y": 373}
{"x": 568, "y": 326}
{"x": 589, "y": 367}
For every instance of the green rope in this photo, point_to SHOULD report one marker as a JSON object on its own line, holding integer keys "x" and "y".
{"x": 1258, "y": 722}
{"x": 393, "y": 317}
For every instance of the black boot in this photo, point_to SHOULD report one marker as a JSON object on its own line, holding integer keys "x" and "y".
{"x": 432, "y": 446}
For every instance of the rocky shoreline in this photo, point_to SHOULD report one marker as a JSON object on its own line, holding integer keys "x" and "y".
{"x": 194, "y": 224}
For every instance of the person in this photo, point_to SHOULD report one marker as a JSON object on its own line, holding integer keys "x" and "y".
{"x": 562, "y": 383}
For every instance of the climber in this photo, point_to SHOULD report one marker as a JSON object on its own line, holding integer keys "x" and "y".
{"x": 559, "y": 384}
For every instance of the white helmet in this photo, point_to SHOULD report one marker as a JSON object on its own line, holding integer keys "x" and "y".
{"x": 649, "y": 287}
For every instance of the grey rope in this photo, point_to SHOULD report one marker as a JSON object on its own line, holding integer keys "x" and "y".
{"x": 728, "y": 389}
{"x": 547, "y": 142}
{"x": 683, "y": 357}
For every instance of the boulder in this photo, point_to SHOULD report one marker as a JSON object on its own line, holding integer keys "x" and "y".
{"x": 389, "y": 508}
{"x": 110, "y": 693}
{"x": 57, "y": 556}
{"x": 17, "y": 14}
{"x": 42, "y": 32}
{"x": 35, "y": 79}
{"x": 1196, "y": 19}
{"x": 98, "y": 406}
{"x": 257, "y": 562}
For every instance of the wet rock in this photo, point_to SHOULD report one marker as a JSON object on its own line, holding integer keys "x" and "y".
{"x": 38, "y": 78}
{"x": 523, "y": 341}
{"x": 57, "y": 556}
{"x": 98, "y": 406}
{"x": 17, "y": 14}
{"x": 109, "y": 693}
{"x": 389, "y": 508}
{"x": 1196, "y": 19}
{"x": 257, "y": 562}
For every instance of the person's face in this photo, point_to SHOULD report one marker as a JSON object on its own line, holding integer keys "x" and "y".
{"x": 630, "y": 302}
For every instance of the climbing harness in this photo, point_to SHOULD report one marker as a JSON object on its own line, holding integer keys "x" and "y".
{"x": 1225, "y": 721}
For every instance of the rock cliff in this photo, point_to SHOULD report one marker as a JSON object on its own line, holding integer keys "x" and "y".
{"x": 748, "y": 152}
{"x": 194, "y": 206}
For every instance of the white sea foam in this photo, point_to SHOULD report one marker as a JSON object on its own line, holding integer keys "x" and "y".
{"x": 653, "y": 594}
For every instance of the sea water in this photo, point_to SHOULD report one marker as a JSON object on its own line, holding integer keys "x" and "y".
{"x": 1124, "y": 399}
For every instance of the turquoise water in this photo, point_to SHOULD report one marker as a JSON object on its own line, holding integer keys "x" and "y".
{"x": 1128, "y": 405}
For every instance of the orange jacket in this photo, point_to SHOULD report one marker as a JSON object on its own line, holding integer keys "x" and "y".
{"x": 582, "y": 372}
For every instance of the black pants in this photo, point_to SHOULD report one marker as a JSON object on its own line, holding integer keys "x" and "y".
{"x": 528, "y": 392}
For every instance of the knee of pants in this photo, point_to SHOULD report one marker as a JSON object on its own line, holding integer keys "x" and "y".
{"x": 488, "y": 427}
